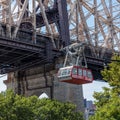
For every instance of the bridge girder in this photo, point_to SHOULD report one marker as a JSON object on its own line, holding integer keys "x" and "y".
{"x": 63, "y": 22}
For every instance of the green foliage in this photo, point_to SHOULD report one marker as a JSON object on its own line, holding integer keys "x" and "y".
{"x": 108, "y": 101}
{"x": 109, "y": 111}
{"x": 15, "y": 107}
{"x": 55, "y": 110}
{"x": 113, "y": 74}
{"x": 102, "y": 97}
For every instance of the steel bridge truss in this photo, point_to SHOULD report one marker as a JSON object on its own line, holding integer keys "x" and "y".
{"x": 33, "y": 31}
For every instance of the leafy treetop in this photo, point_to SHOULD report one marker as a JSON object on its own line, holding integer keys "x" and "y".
{"x": 15, "y": 107}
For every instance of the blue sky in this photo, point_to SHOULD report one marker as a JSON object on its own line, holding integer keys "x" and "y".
{"x": 88, "y": 89}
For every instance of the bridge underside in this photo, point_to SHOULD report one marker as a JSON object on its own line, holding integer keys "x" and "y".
{"x": 21, "y": 54}
{"x": 29, "y": 48}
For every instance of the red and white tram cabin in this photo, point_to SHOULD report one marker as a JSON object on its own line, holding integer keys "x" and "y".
{"x": 75, "y": 75}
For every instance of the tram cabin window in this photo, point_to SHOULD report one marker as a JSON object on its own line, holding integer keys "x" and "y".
{"x": 89, "y": 74}
{"x": 74, "y": 71}
{"x": 64, "y": 72}
{"x": 80, "y": 71}
{"x": 84, "y": 73}
{"x": 69, "y": 71}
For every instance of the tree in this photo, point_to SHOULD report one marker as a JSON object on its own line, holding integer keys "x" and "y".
{"x": 108, "y": 101}
{"x": 15, "y": 107}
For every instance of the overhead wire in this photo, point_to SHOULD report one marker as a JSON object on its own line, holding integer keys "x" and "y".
{"x": 31, "y": 64}
{"x": 25, "y": 65}
{"x": 19, "y": 58}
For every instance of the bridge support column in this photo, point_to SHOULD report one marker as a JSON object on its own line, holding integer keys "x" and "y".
{"x": 66, "y": 92}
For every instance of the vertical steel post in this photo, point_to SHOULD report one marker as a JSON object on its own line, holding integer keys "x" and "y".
{"x": 34, "y": 21}
{"x": 63, "y": 22}
{"x": 8, "y": 19}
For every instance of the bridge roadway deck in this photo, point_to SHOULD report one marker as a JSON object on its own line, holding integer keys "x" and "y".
{"x": 22, "y": 53}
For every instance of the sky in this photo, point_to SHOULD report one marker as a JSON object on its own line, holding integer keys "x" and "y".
{"x": 2, "y": 85}
{"x": 88, "y": 89}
